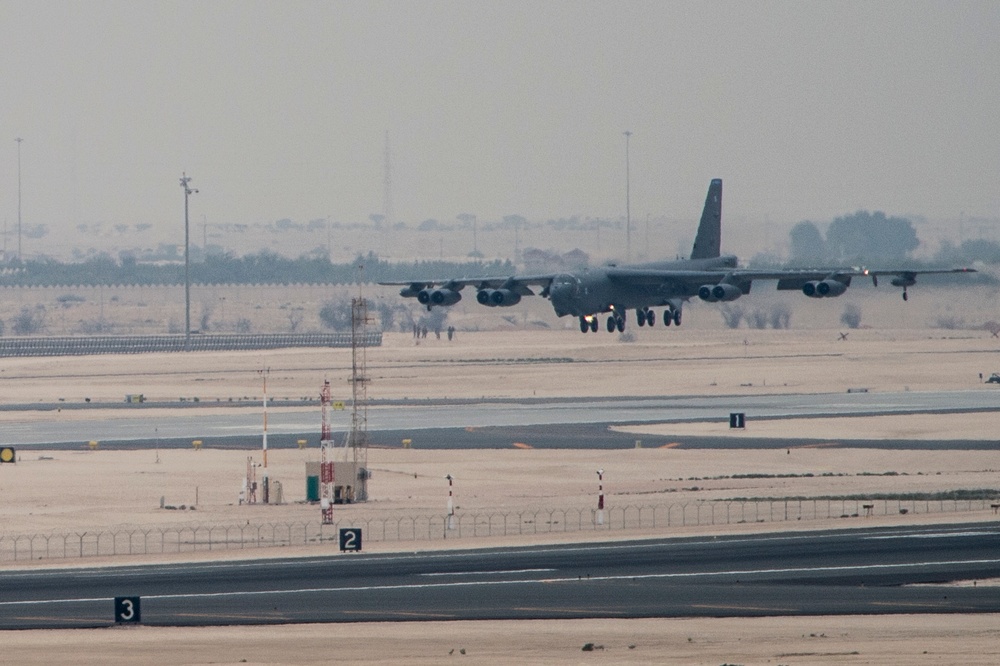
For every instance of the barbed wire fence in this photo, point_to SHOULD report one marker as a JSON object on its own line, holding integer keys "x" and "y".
{"x": 133, "y": 541}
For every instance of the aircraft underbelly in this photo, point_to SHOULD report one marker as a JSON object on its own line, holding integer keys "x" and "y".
{"x": 622, "y": 296}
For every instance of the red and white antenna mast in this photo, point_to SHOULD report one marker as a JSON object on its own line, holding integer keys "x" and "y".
{"x": 326, "y": 458}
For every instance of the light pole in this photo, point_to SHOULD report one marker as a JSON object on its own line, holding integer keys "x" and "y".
{"x": 628, "y": 209}
{"x": 188, "y": 191}
{"x": 600, "y": 497}
{"x": 19, "y": 140}
{"x": 451, "y": 503}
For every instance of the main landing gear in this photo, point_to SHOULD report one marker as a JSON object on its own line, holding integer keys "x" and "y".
{"x": 647, "y": 317}
{"x": 588, "y": 324}
{"x": 616, "y": 320}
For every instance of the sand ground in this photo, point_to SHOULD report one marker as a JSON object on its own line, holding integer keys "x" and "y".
{"x": 100, "y": 489}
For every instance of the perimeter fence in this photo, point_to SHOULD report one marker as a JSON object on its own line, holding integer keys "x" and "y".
{"x": 142, "y": 344}
{"x": 437, "y": 527}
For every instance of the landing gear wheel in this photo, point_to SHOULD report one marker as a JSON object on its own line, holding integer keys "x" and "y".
{"x": 640, "y": 316}
{"x": 584, "y": 325}
{"x": 594, "y": 325}
{"x": 677, "y": 317}
{"x": 906, "y": 296}
{"x": 668, "y": 317}
{"x": 620, "y": 324}
{"x": 650, "y": 318}
{"x": 612, "y": 324}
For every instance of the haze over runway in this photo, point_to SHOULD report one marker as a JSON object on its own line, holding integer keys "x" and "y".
{"x": 144, "y": 426}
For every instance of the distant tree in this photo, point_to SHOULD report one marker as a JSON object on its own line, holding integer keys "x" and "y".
{"x": 977, "y": 249}
{"x": 435, "y": 319}
{"x": 781, "y": 316}
{"x": 36, "y": 231}
{"x": 30, "y": 321}
{"x": 206, "y": 316}
{"x": 807, "y": 244}
{"x": 336, "y": 315}
{"x": 731, "y": 314}
{"x": 295, "y": 316}
{"x": 757, "y": 318}
{"x": 851, "y": 317}
{"x": 866, "y": 236}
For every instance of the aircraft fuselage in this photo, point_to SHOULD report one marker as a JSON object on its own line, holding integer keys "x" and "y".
{"x": 597, "y": 290}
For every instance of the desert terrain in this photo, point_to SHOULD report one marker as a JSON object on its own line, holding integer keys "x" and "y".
{"x": 63, "y": 490}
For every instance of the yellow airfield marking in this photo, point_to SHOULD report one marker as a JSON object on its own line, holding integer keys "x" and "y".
{"x": 913, "y": 604}
{"x": 239, "y": 616}
{"x": 671, "y": 445}
{"x": 45, "y": 618}
{"x": 522, "y": 445}
{"x": 401, "y": 613}
{"x": 567, "y": 610}
{"x": 747, "y": 608}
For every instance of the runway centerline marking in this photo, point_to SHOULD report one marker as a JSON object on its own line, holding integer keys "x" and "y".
{"x": 485, "y": 573}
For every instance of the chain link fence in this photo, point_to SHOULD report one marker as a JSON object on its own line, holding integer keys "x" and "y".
{"x": 141, "y": 344}
{"x": 416, "y": 528}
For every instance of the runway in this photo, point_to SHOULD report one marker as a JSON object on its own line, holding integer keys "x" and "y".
{"x": 860, "y": 571}
{"x": 552, "y": 423}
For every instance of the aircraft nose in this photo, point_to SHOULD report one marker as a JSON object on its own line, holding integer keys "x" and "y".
{"x": 560, "y": 295}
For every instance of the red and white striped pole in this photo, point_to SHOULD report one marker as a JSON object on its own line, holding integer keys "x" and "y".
{"x": 600, "y": 497}
{"x": 451, "y": 503}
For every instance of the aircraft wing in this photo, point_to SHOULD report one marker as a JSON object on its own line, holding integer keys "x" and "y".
{"x": 816, "y": 282}
{"x": 492, "y": 282}
{"x": 655, "y": 276}
{"x": 491, "y": 291}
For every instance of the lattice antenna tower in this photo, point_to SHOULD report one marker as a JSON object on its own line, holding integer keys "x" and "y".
{"x": 358, "y": 439}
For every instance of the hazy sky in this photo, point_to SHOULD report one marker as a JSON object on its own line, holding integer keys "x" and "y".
{"x": 808, "y": 110}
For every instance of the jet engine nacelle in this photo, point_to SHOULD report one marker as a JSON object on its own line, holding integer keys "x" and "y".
{"x": 445, "y": 297}
{"x": 504, "y": 298}
{"x": 498, "y": 297}
{"x": 423, "y": 296}
{"x": 824, "y": 288}
{"x": 483, "y": 297}
{"x": 719, "y": 292}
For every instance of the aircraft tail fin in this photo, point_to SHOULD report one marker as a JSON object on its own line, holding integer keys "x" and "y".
{"x": 708, "y": 242}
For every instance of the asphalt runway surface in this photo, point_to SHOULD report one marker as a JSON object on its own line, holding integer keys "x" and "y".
{"x": 857, "y": 571}
{"x": 539, "y": 423}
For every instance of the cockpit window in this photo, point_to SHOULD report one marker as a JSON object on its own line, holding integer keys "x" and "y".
{"x": 565, "y": 280}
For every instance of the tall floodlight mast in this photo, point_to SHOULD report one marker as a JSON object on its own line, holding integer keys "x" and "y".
{"x": 628, "y": 209}
{"x": 19, "y": 140}
{"x": 188, "y": 191}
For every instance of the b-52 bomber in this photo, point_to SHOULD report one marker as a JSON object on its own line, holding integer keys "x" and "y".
{"x": 612, "y": 289}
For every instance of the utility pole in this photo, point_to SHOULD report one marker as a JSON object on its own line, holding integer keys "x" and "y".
{"x": 628, "y": 210}
{"x": 188, "y": 191}
{"x": 19, "y": 140}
